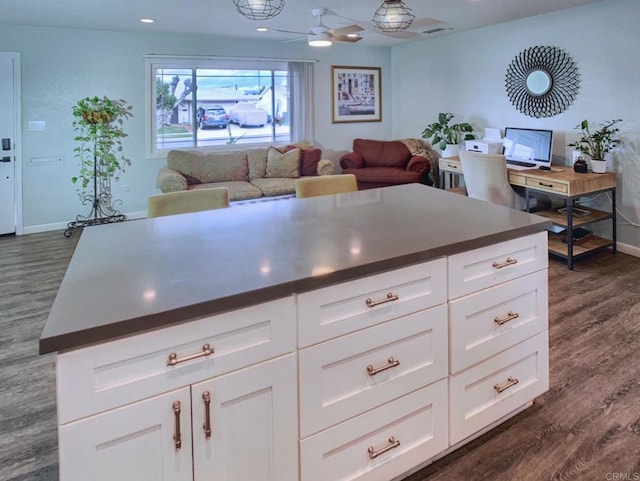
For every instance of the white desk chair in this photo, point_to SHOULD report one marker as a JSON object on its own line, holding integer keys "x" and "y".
{"x": 486, "y": 178}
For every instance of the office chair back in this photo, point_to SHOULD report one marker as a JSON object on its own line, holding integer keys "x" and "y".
{"x": 486, "y": 178}
{"x": 185, "y": 201}
{"x": 325, "y": 184}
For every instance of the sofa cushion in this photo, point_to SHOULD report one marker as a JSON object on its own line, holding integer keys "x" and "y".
{"x": 275, "y": 186}
{"x": 379, "y": 153}
{"x": 210, "y": 166}
{"x": 257, "y": 160}
{"x": 238, "y": 190}
{"x": 283, "y": 164}
{"x": 309, "y": 159}
{"x": 385, "y": 175}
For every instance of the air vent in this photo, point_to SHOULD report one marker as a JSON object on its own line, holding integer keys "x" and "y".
{"x": 436, "y": 30}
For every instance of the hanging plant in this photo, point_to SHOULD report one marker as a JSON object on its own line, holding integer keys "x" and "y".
{"x": 99, "y": 122}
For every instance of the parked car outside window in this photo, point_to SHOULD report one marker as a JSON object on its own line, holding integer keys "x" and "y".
{"x": 213, "y": 116}
{"x": 246, "y": 114}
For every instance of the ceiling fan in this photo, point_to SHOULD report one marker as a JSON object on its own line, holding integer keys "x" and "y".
{"x": 320, "y": 35}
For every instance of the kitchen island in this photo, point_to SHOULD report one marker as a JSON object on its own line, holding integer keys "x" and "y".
{"x": 322, "y": 338}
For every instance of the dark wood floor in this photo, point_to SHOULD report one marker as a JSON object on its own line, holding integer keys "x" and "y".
{"x": 587, "y": 427}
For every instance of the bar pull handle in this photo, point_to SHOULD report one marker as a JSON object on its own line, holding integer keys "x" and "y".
{"x": 391, "y": 362}
{"x": 508, "y": 262}
{"x": 509, "y": 317}
{"x": 207, "y": 350}
{"x": 207, "y": 414}
{"x": 545, "y": 185}
{"x": 177, "y": 436}
{"x": 511, "y": 381}
{"x": 390, "y": 297}
{"x": 393, "y": 443}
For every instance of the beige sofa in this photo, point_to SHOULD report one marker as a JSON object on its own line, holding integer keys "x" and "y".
{"x": 247, "y": 174}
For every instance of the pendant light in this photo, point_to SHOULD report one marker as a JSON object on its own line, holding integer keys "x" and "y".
{"x": 393, "y": 16}
{"x": 259, "y": 9}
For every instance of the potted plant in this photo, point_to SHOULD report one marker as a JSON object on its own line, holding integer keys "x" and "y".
{"x": 98, "y": 123}
{"x": 446, "y": 136}
{"x": 597, "y": 144}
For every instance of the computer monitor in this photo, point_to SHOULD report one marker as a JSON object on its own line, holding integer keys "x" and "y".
{"x": 528, "y": 145}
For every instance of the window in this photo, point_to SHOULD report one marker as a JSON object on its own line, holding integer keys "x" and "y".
{"x": 217, "y": 102}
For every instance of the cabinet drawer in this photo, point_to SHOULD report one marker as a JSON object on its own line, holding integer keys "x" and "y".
{"x": 344, "y": 377}
{"x": 547, "y": 185}
{"x": 492, "y": 265}
{"x": 115, "y": 373}
{"x": 417, "y": 421}
{"x": 343, "y": 308}
{"x": 475, "y": 400}
{"x": 492, "y": 320}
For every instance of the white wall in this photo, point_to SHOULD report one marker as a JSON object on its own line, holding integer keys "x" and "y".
{"x": 61, "y": 66}
{"x": 464, "y": 73}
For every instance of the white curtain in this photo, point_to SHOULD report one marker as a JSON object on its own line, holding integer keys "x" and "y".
{"x": 301, "y": 101}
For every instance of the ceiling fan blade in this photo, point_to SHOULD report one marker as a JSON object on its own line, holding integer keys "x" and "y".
{"x": 295, "y": 40}
{"x": 346, "y": 38}
{"x": 346, "y": 30}
{"x": 288, "y": 31}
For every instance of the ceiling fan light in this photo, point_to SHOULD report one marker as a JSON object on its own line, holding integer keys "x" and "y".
{"x": 320, "y": 39}
{"x": 259, "y": 9}
{"x": 393, "y": 16}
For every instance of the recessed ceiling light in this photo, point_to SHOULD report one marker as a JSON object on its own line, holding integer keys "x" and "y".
{"x": 147, "y": 20}
{"x": 262, "y": 29}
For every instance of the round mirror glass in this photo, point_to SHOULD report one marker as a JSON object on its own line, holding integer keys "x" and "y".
{"x": 538, "y": 82}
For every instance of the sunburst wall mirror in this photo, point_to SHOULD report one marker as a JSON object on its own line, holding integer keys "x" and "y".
{"x": 542, "y": 81}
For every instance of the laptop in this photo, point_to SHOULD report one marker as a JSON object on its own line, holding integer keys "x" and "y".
{"x": 527, "y": 148}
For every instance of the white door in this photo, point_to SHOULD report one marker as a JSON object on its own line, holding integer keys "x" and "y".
{"x": 137, "y": 442}
{"x": 245, "y": 424}
{"x": 9, "y": 114}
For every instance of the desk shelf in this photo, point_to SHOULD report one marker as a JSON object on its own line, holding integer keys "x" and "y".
{"x": 560, "y": 218}
{"x": 593, "y": 243}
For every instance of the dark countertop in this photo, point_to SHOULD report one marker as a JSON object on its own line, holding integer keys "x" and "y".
{"x": 132, "y": 276}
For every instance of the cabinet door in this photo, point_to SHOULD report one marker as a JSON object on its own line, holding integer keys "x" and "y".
{"x": 253, "y": 420}
{"x": 133, "y": 443}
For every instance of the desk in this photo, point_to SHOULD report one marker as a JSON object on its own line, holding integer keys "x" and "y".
{"x": 569, "y": 186}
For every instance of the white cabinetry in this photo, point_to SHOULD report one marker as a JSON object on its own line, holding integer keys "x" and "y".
{"x": 139, "y": 429}
{"x": 361, "y": 381}
{"x": 373, "y": 395}
{"x": 498, "y": 322}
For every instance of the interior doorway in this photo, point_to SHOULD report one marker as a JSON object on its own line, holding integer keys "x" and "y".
{"x": 10, "y": 145}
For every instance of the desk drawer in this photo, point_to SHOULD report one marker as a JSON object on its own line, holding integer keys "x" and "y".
{"x": 547, "y": 185}
{"x": 335, "y": 383}
{"x": 343, "y": 308}
{"x": 450, "y": 165}
{"x": 492, "y": 265}
{"x": 417, "y": 421}
{"x": 520, "y": 373}
{"x": 492, "y": 320}
{"x": 104, "y": 376}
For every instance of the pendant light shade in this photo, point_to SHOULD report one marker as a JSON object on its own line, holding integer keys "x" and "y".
{"x": 393, "y": 16}
{"x": 259, "y": 9}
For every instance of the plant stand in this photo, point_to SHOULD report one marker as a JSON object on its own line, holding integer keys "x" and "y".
{"x": 102, "y": 206}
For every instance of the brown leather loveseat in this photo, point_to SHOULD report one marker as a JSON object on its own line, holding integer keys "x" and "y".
{"x": 377, "y": 163}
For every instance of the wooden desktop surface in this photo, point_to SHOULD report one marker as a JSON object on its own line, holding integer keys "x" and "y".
{"x": 562, "y": 180}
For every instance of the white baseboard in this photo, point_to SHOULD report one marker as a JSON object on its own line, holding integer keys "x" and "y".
{"x": 628, "y": 249}
{"x": 34, "y": 229}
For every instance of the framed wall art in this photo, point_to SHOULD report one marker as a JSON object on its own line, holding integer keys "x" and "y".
{"x": 356, "y": 94}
